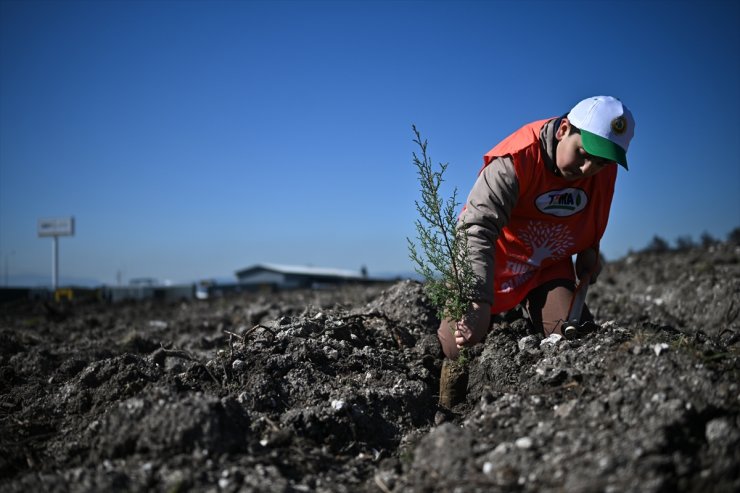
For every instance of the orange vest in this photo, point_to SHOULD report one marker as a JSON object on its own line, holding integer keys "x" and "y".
{"x": 552, "y": 219}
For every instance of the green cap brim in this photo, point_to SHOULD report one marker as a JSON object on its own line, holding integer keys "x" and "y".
{"x": 600, "y": 147}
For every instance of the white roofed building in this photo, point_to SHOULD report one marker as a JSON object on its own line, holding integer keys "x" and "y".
{"x": 292, "y": 277}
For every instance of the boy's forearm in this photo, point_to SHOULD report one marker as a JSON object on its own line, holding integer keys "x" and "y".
{"x": 481, "y": 249}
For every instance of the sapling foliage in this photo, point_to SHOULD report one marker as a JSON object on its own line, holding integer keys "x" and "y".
{"x": 443, "y": 258}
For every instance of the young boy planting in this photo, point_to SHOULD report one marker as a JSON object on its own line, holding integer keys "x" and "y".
{"x": 543, "y": 195}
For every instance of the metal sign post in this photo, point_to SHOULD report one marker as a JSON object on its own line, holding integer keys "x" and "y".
{"x": 56, "y": 227}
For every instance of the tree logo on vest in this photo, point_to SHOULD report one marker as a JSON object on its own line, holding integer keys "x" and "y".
{"x": 562, "y": 203}
{"x": 546, "y": 242}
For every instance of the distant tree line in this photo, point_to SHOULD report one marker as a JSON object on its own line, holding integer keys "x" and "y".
{"x": 686, "y": 242}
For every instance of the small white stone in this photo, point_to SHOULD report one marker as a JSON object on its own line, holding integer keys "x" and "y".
{"x": 523, "y": 442}
{"x": 564, "y": 410}
{"x": 717, "y": 429}
{"x": 551, "y": 340}
{"x": 238, "y": 365}
{"x": 264, "y": 442}
{"x": 338, "y": 404}
{"x": 502, "y": 448}
{"x": 487, "y": 468}
{"x": 659, "y": 348}
{"x": 223, "y": 483}
{"x": 527, "y": 342}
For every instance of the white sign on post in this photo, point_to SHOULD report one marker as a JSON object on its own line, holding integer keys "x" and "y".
{"x": 56, "y": 226}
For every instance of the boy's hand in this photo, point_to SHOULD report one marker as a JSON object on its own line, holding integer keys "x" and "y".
{"x": 474, "y": 327}
{"x": 588, "y": 261}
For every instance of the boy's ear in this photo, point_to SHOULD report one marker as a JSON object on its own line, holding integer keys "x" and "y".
{"x": 563, "y": 129}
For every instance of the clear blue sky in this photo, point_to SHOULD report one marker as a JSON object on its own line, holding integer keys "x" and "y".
{"x": 191, "y": 139}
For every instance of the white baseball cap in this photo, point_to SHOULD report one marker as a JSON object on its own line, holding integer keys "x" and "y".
{"x": 606, "y": 126}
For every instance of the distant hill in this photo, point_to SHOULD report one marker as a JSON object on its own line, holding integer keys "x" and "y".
{"x": 44, "y": 281}
{"x": 392, "y": 276}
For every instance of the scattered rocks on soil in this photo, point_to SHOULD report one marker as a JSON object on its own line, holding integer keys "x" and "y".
{"x": 338, "y": 391}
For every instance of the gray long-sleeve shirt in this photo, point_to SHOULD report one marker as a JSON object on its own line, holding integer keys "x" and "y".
{"x": 489, "y": 205}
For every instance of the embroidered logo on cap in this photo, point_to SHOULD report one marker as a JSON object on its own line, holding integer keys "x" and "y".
{"x": 619, "y": 125}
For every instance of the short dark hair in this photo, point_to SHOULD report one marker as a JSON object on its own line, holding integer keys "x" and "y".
{"x": 573, "y": 128}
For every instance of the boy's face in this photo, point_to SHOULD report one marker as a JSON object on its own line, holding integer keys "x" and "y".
{"x": 572, "y": 160}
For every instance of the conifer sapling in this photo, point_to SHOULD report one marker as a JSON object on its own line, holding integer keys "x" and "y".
{"x": 444, "y": 258}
